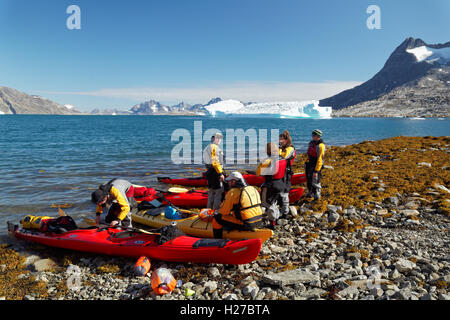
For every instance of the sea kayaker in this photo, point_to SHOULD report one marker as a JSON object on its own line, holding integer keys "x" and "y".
{"x": 314, "y": 164}
{"x": 241, "y": 208}
{"x": 213, "y": 158}
{"x": 275, "y": 189}
{"x": 287, "y": 150}
{"x": 118, "y": 197}
{"x": 288, "y": 153}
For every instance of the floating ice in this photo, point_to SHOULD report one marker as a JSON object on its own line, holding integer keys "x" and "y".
{"x": 295, "y": 109}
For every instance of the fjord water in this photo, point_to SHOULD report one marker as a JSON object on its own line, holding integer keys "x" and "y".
{"x": 47, "y": 160}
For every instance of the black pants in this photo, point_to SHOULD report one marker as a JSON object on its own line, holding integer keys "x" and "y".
{"x": 314, "y": 187}
{"x": 113, "y": 214}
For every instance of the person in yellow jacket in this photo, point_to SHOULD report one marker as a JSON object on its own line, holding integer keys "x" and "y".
{"x": 118, "y": 198}
{"x": 287, "y": 150}
{"x": 241, "y": 208}
{"x": 314, "y": 164}
{"x": 213, "y": 158}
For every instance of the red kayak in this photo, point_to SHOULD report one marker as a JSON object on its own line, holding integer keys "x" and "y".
{"x": 251, "y": 179}
{"x": 135, "y": 244}
{"x": 199, "y": 198}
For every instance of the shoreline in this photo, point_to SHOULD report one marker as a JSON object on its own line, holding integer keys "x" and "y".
{"x": 384, "y": 216}
{"x": 443, "y": 117}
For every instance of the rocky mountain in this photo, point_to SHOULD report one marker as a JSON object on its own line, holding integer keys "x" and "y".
{"x": 13, "y": 101}
{"x": 153, "y": 107}
{"x": 427, "y": 96}
{"x": 413, "y": 82}
{"x": 149, "y": 107}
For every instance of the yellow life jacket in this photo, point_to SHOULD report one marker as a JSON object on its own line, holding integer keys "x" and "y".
{"x": 248, "y": 208}
{"x": 33, "y": 222}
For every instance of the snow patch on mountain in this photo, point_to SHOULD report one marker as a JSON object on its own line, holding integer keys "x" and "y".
{"x": 431, "y": 55}
{"x": 295, "y": 109}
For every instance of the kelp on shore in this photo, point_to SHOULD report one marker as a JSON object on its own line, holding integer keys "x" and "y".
{"x": 371, "y": 171}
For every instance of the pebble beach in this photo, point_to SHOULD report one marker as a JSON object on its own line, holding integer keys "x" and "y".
{"x": 379, "y": 232}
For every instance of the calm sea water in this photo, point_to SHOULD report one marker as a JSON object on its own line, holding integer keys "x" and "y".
{"x": 47, "y": 160}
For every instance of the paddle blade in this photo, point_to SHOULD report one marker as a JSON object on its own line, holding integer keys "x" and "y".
{"x": 61, "y": 212}
{"x": 177, "y": 190}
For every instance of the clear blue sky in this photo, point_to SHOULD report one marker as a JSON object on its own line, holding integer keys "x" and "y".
{"x": 134, "y": 46}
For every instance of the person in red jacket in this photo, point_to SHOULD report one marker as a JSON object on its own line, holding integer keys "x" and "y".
{"x": 314, "y": 164}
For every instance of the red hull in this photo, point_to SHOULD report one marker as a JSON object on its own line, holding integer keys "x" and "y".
{"x": 199, "y": 198}
{"x": 181, "y": 249}
{"x": 251, "y": 179}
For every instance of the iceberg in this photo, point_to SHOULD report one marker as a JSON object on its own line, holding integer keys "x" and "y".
{"x": 295, "y": 109}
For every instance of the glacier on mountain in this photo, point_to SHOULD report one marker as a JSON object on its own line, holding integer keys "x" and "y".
{"x": 431, "y": 55}
{"x": 295, "y": 109}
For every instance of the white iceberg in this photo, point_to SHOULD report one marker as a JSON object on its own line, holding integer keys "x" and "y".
{"x": 431, "y": 55}
{"x": 295, "y": 109}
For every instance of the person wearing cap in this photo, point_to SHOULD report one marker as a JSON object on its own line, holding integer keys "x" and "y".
{"x": 213, "y": 158}
{"x": 241, "y": 208}
{"x": 314, "y": 164}
{"x": 118, "y": 197}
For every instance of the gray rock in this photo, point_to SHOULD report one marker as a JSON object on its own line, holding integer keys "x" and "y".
{"x": 393, "y": 200}
{"x": 30, "y": 260}
{"x": 333, "y": 208}
{"x": 427, "y": 296}
{"x": 333, "y": 217}
{"x": 210, "y": 286}
{"x": 213, "y": 272}
{"x": 442, "y": 188}
{"x": 443, "y": 296}
{"x": 315, "y": 293}
{"x": 424, "y": 164}
{"x": 404, "y": 266}
{"x": 403, "y": 294}
{"x": 394, "y": 274}
{"x": 251, "y": 289}
{"x": 350, "y": 292}
{"x": 229, "y": 296}
{"x": 290, "y": 277}
{"x": 357, "y": 263}
{"x": 409, "y": 212}
{"x": 376, "y": 292}
{"x": 44, "y": 265}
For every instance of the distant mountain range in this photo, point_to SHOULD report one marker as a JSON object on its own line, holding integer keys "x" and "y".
{"x": 153, "y": 107}
{"x": 414, "y": 82}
